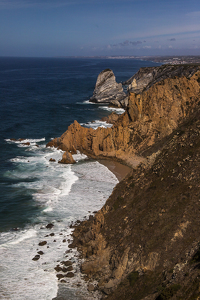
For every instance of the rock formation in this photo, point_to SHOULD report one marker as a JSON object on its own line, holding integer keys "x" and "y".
{"x": 107, "y": 90}
{"x": 144, "y": 243}
{"x": 67, "y": 158}
{"x": 150, "y": 116}
{"x": 146, "y": 77}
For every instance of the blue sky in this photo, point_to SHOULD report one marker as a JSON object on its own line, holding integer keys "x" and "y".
{"x": 99, "y": 27}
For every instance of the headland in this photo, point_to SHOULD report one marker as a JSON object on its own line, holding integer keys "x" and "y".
{"x": 144, "y": 243}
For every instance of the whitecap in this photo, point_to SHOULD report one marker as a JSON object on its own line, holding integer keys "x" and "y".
{"x": 113, "y": 109}
{"x": 97, "y": 123}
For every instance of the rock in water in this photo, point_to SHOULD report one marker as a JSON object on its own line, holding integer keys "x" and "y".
{"x": 107, "y": 90}
{"x": 67, "y": 158}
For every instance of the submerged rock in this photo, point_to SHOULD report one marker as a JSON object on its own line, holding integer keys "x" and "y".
{"x": 107, "y": 90}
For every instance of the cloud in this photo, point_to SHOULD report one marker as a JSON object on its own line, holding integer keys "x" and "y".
{"x": 194, "y": 14}
{"x": 18, "y": 4}
{"x": 147, "y": 47}
{"x": 172, "y": 40}
{"x": 127, "y": 44}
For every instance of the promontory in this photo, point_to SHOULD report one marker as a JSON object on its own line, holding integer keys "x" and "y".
{"x": 145, "y": 243}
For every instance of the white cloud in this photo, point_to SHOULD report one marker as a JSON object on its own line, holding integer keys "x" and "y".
{"x": 146, "y": 47}
{"x": 193, "y": 14}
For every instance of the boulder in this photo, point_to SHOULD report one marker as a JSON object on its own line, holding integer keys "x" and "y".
{"x": 67, "y": 158}
{"x": 107, "y": 90}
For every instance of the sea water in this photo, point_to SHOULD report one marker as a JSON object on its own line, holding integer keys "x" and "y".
{"x": 40, "y": 98}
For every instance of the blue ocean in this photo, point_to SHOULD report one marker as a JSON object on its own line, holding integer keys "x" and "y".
{"x": 40, "y": 98}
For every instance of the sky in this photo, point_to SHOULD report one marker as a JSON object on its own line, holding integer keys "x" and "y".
{"x": 49, "y": 28}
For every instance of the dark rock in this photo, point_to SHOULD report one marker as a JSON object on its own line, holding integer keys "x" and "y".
{"x": 36, "y": 257}
{"x": 58, "y": 268}
{"x": 52, "y": 159}
{"x": 59, "y": 276}
{"x": 69, "y": 274}
{"x": 66, "y": 263}
{"x": 49, "y": 226}
{"x": 52, "y": 234}
{"x": 42, "y": 243}
{"x": 26, "y": 144}
{"x": 40, "y": 252}
{"x": 64, "y": 241}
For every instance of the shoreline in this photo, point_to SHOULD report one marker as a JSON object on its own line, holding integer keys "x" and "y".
{"x": 118, "y": 169}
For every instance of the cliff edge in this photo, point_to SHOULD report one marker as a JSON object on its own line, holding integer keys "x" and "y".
{"x": 144, "y": 243}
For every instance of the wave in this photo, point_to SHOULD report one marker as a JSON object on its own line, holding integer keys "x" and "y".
{"x": 97, "y": 123}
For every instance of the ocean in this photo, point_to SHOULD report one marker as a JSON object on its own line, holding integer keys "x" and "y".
{"x": 40, "y": 98}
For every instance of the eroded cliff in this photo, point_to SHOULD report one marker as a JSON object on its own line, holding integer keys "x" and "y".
{"x": 144, "y": 243}
{"x": 150, "y": 116}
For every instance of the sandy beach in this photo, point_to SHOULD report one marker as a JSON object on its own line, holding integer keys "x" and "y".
{"x": 115, "y": 167}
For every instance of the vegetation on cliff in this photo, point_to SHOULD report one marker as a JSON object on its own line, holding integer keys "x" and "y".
{"x": 144, "y": 243}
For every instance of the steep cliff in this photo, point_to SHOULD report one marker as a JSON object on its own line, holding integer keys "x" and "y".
{"x": 150, "y": 116}
{"x": 107, "y": 90}
{"x": 146, "y": 77}
{"x": 144, "y": 243}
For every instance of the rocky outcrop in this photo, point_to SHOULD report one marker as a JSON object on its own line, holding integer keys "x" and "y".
{"x": 150, "y": 116}
{"x": 111, "y": 119}
{"x": 67, "y": 158}
{"x": 144, "y": 243}
{"x": 107, "y": 90}
{"x": 147, "y": 77}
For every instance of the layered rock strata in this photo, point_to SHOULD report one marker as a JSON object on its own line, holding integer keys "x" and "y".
{"x": 107, "y": 90}
{"x": 147, "y": 77}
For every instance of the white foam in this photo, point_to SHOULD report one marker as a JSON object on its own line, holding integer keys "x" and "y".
{"x": 97, "y": 123}
{"x": 79, "y": 156}
{"x": 115, "y": 109}
{"x": 23, "y": 236}
{"x": 65, "y": 193}
{"x": 86, "y": 102}
{"x": 26, "y": 140}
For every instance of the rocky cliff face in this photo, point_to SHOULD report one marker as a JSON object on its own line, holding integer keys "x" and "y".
{"x": 147, "y": 77}
{"x": 150, "y": 116}
{"x": 107, "y": 90}
{"x": 144, "y": 243}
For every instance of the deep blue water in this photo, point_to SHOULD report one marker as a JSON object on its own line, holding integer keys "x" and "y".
{"x": 41, "y": 97}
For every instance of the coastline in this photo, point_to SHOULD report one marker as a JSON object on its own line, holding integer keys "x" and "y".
{"x": 118, "y": 169}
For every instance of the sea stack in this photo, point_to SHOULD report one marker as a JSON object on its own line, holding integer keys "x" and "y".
{"x": 107, "y": 90}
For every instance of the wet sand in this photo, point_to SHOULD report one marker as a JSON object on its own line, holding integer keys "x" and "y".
{"x": 116, "y": 168}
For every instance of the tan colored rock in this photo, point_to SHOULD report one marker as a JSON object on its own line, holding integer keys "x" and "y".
{"x": 67, "y": 158}
{"x": 150, "y": 116}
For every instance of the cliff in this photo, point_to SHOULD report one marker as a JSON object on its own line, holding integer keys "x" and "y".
{"x": 144, "y": 243}
{"x": 146, "y": 77}
{"x": 107, "y": 90}
{"x": 150, "y": 116}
